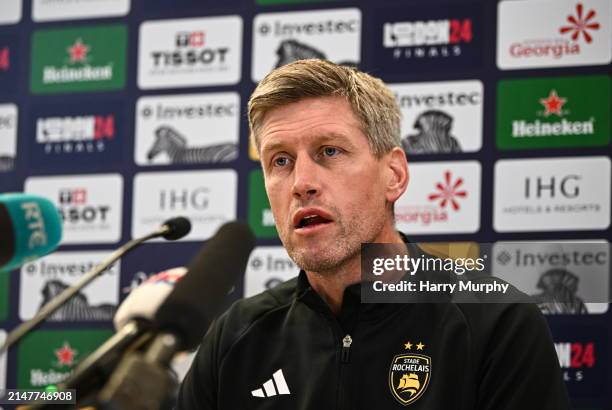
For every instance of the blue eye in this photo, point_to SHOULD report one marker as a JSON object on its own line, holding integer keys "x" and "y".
{"x": 281, "y": 161}
{"x": 330, "y": 151}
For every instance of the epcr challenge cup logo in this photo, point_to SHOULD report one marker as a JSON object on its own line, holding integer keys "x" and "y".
{"x": 409, "y": 376}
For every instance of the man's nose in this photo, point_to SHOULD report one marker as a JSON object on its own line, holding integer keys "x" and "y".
{"x": 305, "y": 178}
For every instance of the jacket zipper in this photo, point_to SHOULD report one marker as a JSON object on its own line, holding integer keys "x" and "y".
{"x": 345, "y": 356}
{"x": 347, "y": 341}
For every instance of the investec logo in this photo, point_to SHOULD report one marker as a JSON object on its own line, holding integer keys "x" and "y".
{"x": 427, "y": 38}
{"x": 78, "y": 66}
{"x": 282, "y": 38}
{"x": 268, "y": 267}
{"x": 440, "y": 117}
{"x": 75, "y": 134}
{"x": 553, "y": 33}
{"x": 45, "y": 278}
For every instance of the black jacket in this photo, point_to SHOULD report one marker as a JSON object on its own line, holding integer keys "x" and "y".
{"x": 433, "y": 356}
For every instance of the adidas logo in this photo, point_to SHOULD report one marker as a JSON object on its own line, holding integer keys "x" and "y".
{"x": 274, "y": 386}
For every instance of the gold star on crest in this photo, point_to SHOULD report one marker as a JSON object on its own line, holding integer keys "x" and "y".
{"x": 420, "y": 346}
{"x": 407, "y": 346}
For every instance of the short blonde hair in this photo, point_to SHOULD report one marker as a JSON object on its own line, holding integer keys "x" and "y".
{"x": 371, "y": 100}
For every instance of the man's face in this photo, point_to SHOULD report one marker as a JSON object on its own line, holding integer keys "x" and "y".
{"x": 325, "y": 186}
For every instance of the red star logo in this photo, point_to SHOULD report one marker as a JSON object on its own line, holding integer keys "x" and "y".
{"x": 553, "y": 104}
{"x": 78, "y": 51}
{"x": 65, "y": 355}
{"x": 580, "y": 24}
{"x": 448, "y": 192}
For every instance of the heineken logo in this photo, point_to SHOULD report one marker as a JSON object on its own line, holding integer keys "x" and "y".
{"x": 78, "y": 52}
{"x": 48, "y": 356}
{"x": 78, "y": 59}
{"x": 65, "y": 355}
{"x": 553, "y": 104}
{"x": 553, "y": 112}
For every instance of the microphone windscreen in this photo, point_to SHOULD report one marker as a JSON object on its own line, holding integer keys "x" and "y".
{"x": 198, "y": 297}
{"x": 144, "y": 301}
{"x": 30, "y": 227}
{"x": 178, "y": 228}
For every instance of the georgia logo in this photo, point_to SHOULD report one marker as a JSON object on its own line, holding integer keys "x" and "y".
{"x": 409, "y": 376}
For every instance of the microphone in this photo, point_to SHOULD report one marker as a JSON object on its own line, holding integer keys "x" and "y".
{"x": 144, "y": 301}
{"x": 133, "y": 322}
{"x": 142, "y": 381}
{"x": 172, "y": 229}
{"x": 30, "y": 227}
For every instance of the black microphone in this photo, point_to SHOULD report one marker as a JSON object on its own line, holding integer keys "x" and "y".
{"x": 172, "y": 229}
{"x": 143, "y": 381}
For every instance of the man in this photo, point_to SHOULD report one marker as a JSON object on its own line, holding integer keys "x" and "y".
{"x": 329, "y": 142}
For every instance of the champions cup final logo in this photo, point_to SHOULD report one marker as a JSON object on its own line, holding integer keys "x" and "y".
{"x": 409, "y": 374}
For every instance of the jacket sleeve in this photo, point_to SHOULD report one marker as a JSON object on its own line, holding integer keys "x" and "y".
{"x": 199, "y": 387}
{"x": 520, "y": 369}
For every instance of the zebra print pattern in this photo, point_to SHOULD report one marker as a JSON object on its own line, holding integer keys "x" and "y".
{"x": 434, "y": 136}
{"x": 559, "y": 288}
{"x": 175, "y": 145}
{"x": 77, "y": 308}
{"x": 291, "y": 50}
{"x": 6, "y": 163}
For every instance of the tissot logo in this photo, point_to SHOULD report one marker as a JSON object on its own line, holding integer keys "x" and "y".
{"x": 45, "y": 278}
{"x": 563, "y": 277}
{"x": 207, "y": 198}
{"x": 553, "y": 112}
{"x": 53, "y": 10}
{"x": 48, "y": 356}
{"x": 187, "y": 129}
{"x": 281, "y": 38}
{"x": 553, "y": 33}
{"x": 90, "y": 205}
{"x": 268, "y": 267}
{"x": 441, "y": 117}
{"x": 541, "y": 195}
{"x": 8, "y": 136}
{"x": 429, "y": 38}
{"x": 441, "y": 199}
{"x": 78, "y": 59}
{"x": 190, "y": 52}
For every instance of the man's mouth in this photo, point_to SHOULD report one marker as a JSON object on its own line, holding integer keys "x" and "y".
{"x": 309, "y": 219}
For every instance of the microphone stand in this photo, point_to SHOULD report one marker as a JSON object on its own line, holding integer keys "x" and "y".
{"x": 63, "y": 297}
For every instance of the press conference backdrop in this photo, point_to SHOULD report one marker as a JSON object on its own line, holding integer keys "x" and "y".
{"x": 127, "y": 112}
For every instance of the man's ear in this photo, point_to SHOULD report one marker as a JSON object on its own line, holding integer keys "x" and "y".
{"x": 398, "y": 175}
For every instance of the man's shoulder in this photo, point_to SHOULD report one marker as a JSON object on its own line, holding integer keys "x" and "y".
{"x": 246, "y": 312}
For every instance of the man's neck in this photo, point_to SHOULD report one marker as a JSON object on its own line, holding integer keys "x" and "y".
{"x": 330, "y": 285}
